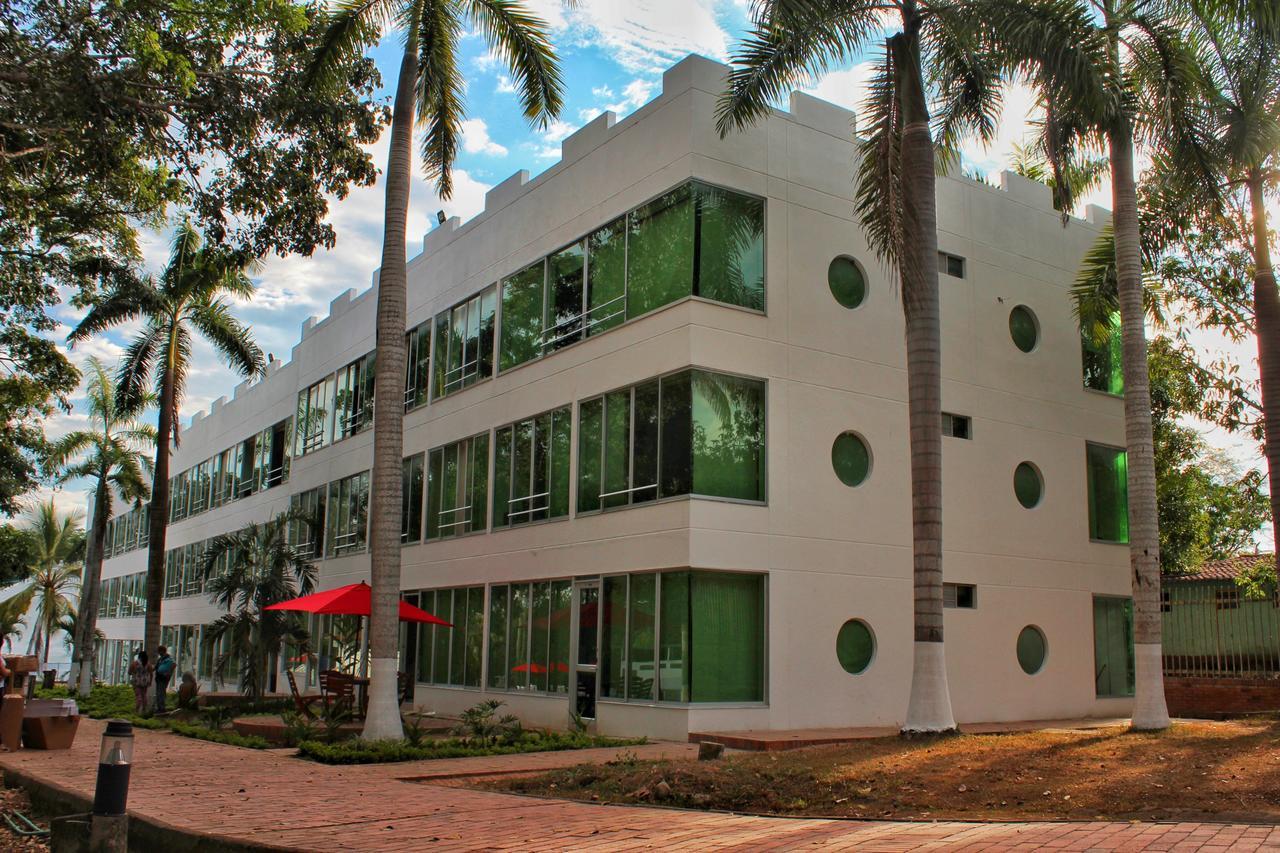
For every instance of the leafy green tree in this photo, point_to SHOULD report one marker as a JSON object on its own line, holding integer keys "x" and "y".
{"x": 1221, "y": 157}
{"x": 17, "y": 554}
{"x": 245, "y": 572}
{"x": 1103, "y": 67}
{"x": 113, "y": 453}
{"x": 429, "y": 92}
{"x": 13, "y": 615}
{"x": 190, "y": 297}
{"x": 1208, "y": 509}
{"x": 59, "y": 546}
{"x": 113, "y": 112}
{"x": 896, "y": 203}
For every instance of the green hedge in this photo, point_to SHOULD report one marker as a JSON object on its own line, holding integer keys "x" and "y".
{"x": 379, "y": 751}
{"x": 228, "y": 737}
{"x": 115, "y": 702}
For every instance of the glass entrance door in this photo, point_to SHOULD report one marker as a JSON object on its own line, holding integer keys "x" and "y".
{"x": 586, "y": 639}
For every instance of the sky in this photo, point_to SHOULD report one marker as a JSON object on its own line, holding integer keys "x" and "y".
{"x": 613, "y": 53}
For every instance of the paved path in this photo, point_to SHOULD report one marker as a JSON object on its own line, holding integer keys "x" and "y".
{"x": 246, "y": 798}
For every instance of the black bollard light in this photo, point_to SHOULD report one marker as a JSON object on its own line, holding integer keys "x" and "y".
{"x": 114, "y": 761}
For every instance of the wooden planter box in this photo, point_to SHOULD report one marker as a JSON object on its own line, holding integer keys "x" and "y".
{"x": 49, "y": 732}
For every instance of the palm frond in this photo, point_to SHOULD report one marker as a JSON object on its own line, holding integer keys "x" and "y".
{"x": 521, "y": 41}
{"x": 879, "y": 180}
{"x": 440, "y": 93}
{"x": 133, "y": 376}
{"x": 351, "y": 27}
{"x": 230, "y": 337}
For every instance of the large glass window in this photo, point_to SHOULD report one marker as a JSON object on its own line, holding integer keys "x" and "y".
{"x": 1113, "y": 670}
{"x": 521, "y": 339}
{"x": 1103, "y": 362}
{"x": 694, "y": 432}
{"x": 529, "y": 636}
{"x": 315, "y": 417}
{"x": 1107, "y": 470}
{"x": 531, "y": 469}
{"x": 354, "y": 396}
{"x": 457, "y": 487}
{"x": 348, "y": 515}
{"x": 417, "y": 374}
{"x": 688, "y": 636}
{"x": 452, "y": 656}
{"x": 695, "y": 240}
{"x": 464, "y": 343}
{"x": 307, "y": 524}
{"x": 411, "y": 499}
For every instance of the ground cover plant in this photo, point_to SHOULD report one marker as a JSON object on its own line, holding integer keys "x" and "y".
{"x": 1193, "y": 771}
{"x": 115, "y": 702}
{"x": 379, "y": 751}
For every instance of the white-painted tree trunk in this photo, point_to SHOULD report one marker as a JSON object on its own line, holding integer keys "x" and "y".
{"x": 930, "y": 707}
{"x": 383, "y": 720}
{"x": 1150, "y": 713}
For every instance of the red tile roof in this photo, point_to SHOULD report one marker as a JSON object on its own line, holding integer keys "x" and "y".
{"x": 1225, "y": 570}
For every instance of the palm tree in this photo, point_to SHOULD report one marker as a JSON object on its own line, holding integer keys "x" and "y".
{"x": 13, "y": 615}
{"x": 59, "y": 545}
{"x": 1231, "y": 167}
{"x": 1103, "y": 68}
{"x": 246, "y": 572}
{"x": 792, "y": 39}
{"x": 111, "y": 451}
{"x": 191, "y": 296}
{"x": 430, "y": 87}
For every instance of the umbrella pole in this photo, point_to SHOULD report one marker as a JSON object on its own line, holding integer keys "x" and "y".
{"x": 364, "y": 646}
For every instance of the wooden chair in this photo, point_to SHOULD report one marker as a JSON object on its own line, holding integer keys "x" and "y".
{"x": 300, "y": 702}
{"x": 338, "y": 690}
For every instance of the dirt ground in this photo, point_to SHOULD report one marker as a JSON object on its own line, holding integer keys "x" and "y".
{"x": 12, "y": 799}
{"x": 1194, "y": 771}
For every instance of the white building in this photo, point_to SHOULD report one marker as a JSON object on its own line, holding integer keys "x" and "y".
{"x": 678, "y": 498}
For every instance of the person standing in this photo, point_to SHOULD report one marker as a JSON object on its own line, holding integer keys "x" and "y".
{"x": 164, "y": 671}
{"x": 140, "y": 678}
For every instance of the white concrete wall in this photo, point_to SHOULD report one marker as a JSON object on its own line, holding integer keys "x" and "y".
{"x": 831, "y": 552}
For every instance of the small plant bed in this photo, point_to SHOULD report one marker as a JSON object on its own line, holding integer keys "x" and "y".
{"x": 480, "y": 731}
{"x": 15, "y": 801}
{"x": 379, "y": 751}
{"x": 115, "y": 702}
{"x": 1228, "y": 771}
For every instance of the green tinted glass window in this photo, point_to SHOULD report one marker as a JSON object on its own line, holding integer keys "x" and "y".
{"x": 1107, "y": 471}
{"x": 851, "y": 459}
{"x": 1024, "y": 328}
{"x": 607, "y": 277}
{"x": 730, "y": 229}
{"x": 498, "y": 604}
{"x": 728, "y": 618}
{"x": 531, "y": 477}
{"x": 728, "y": 436}
{"x": 566, "y": 280}
{"x": 521, "y": 317}
{"x": 613, "y": 638}
{"x": 1031, "y": 649}
{"x": 1113, "y": 646}
{"x": 590, "y": 426}
{"x": 457, "y": 487}
{"x": 1103, "y": 360}
{"x": 855, "y": 646}
{"x": 660, "y": 251}
{"x": 642, "y": 613}
{"x": 1027, "y": 485}
{"x": 847, "y": 283}
{"x": 673, "y": 646}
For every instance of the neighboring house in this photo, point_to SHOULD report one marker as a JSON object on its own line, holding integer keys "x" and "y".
{"x": 657, "y": 466}
{"x": 1211, "y": 628}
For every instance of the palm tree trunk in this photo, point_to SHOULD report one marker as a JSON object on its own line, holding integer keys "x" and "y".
{"x": 159, "y": 520}
{"x": 1266, "y": 308}
{"x": 383, "y": 720}
{"x": 1149, "y": 709}
{"x": 87, "y": 617}
{"x": 929, "y": 708}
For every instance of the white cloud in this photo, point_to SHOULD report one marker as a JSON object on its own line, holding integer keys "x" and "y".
{"x": 602, "y": 92}
{"x": 505, "y": 86}
{"x": 475, "y": 139}
{"x": 642, "y": 35}
{"x": 846, "y": 88}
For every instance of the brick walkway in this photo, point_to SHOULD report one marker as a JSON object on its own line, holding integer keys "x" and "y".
{"x": 267, "y": 800}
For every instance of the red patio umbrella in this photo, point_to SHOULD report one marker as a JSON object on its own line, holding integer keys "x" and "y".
{"x": 353, "y": 600}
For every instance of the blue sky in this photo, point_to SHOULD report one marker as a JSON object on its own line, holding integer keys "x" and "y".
{"x": 613, "y": 53}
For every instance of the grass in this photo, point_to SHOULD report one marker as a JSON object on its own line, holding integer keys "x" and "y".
{"x": 1194, "y": 771}
{"x": 376, "y": 752}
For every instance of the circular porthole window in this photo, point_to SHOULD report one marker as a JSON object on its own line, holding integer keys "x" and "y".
{"x": 847, "y": 282}
{"x": 1031, "y": 649}
{"x": 1028, "y": 485}
{"x": 851, "y": 458}
{"x": 855, "y": 646}
{"x": 1024, "y": 328}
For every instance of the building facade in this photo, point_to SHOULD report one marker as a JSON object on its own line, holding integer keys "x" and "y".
{"x": 656, "y": 448}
